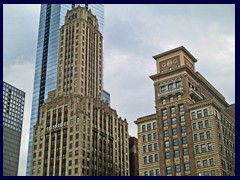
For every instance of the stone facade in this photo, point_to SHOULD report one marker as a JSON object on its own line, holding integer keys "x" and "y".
{"x": 179, "y": 89}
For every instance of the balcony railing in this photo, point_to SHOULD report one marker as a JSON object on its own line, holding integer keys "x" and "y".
{"x": 170, "y": 92}
{"x": 195, "y": 94}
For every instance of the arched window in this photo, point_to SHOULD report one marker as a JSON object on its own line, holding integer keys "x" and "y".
{"x": 178, "y": 83}
{"x": 170, "y": 85}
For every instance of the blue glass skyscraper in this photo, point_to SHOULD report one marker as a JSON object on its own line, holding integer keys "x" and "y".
{"x": 52, "y": 17}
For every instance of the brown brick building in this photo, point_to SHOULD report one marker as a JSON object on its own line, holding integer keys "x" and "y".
{"x": 195, "y": 126}
{"x": 133, "y": 156}
{"x": 77, "y": 133}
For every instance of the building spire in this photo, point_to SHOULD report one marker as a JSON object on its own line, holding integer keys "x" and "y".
{"x": 73, "y": 6}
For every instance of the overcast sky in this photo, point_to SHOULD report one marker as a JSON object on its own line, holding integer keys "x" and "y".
{"x": 132, "y": 35}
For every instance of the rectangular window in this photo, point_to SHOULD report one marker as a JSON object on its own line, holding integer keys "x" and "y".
{"x": 171, "y": 99}
{"x": 206, "y": 124}
{"x": 144, "y": 138}
{"x": 164, "y": 112}
{"x": 165, "y": 123}
{"x": 211, "y": 162}
{"x": 187, "y": 166}
{"x": 167, "y": 155}
{"x": 205, "y": 112}
{"x": 193, "y": 115}
{"x": 181, "y": 108}
{"x": 145, "y": 160}
{"x": 176, "y": 153}
{"x": 168, "y": 170}
{"x": 144, "y": 149}
{"x": 205, "y": 163}
{"x": 151, "y": 173}
{"x": 149, "y": 127}
{"x": 173, "y": 110}
{"x": 157, "y": 172}
{"x": 203, "y": 147}
{"x": 154, "y": 125}
{"x": 200, "y": 124}
{"x": 209, "y": 146}
{"x": 150, "y": 158}
{"x": 195, "y": 137}
{"x": 166, "y": 144}
{"x": 183, "y": 129}
{"x": 143, "y": 128}
{"x": 166, "y": 133}
{"x": 149, "y": 148}
{"x": 182, "y": 119}
{"x": 175, "y": 142}
{"x": 174, "y": 121}
{"x": 198, "y": 164}
{"x": 185, "y": 151}
{"x": 163, "y": 89}
{"x": 174, "y": 131}
{"x": 213, "y": 173}
{"x": 156, "y": 158}
{"x": 199, "y": 114}
{"x": 155, "y": 146}
{"x": 184, "y": 140}
{"x": 178, "y": 168}
{"x": 208, "y": 134}
{"x": 206, "y": 173}
{"x": 196, "y": 149}
{"x": 201, "y": 136}
{"x": 149, "y": 137}
{"x": 155, "y": 136}
{"x": 194, "y": 126}
{"x": 145, "y": 173}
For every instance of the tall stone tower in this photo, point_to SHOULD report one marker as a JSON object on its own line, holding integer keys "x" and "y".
{"x": 77, "y": 133}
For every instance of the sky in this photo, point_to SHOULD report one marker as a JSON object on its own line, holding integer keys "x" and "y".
{"x": 133, "y": 34}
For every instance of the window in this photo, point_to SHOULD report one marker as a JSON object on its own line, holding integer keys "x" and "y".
{"x": 205, "y": 112}
{"x": 199, "y": 114}
{"x": 209, "y": 146}
{"x": 171, "y": 99}
{"x": 154, "y": 125}
{"x": 173, "y": 110}
{"x": 185, "y": 151}
{"x": 154, "y": 136}
{"x": 195, "y": 137}
{"x": 187, "y": 166}
{"x": 157, "y": 172}
{"x": 211, "y": 162}
{"x": 164, "y": 112}
{"x": 198, "y": 164}
{"x": 174, "y": 131}
{"x": 149, "y": 137}
{"x": 163, "y": 88}
{"x": 208, "y": 134}
{"x": 167, "y": 155}
{"x": 166, "y": 133}
{"x": 144, "y": 138}
{"x": 179, "y": 97}
{"x": 203, "y": 147}
{"x": 206, "y": 124}
{"x": 175, "y": 142}
{"x": 165, "y": 123}
{"x": 168, "y": 170}
{"x": 145, "y": 173}
{"x": 144, "y": 149}
{"x": 145, "y": 160}
{"x": 196, "y": 149}
{"x": 151, "y": 173}
{"x": 164, "y": 101}
{"x": 143, "y": 128}
{"x": 178, "y": 168}
{"x": 200, "y": 124}
{"x": 206, "y": 173}
{"x": 205, "y": 163}
{"x": 149, "y": 127}
{"x": 193, "y": 115}
{"x": 174, "y": 121}
{"x": 181, "y": 108}
{"x": 213, "y": 173}
{"x": 149, "y": 148}
{"x": 166, "y": 144}
{"x": 201, "y": 136}
{"x": 170, "y": 86}
{"x": 194, "y": 126}
{"x": 156, "y": 158}
{"x": 182, "y": 119}
{"x": 183, "y": 129}
{"x": 155, "y": 146}
{"x": 184, "y": 140}
{"x": 150, "y": 158}
{"x": 176, "y": 153}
